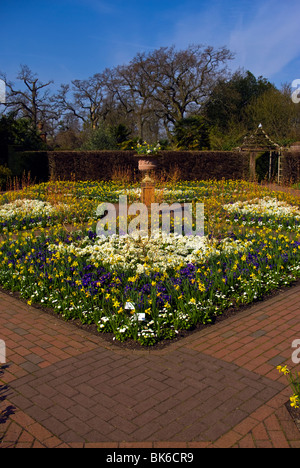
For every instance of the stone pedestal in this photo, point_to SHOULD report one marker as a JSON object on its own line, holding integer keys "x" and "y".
{"x": 148, "y": 191}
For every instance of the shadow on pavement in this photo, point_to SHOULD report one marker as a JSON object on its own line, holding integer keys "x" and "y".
{"x": 4, "y": 393}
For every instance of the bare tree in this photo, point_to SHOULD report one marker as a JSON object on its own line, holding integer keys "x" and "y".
{"x": 184, "y": 79}
{"x": 152, "y": 92}
{"x": 32, "y": 102}
{"x": 87, "y": 100}
{"x": 167, "y": 85}
{"x": 136, "y": 93}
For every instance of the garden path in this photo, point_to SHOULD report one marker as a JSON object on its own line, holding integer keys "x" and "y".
{"x": 219, "y": 387}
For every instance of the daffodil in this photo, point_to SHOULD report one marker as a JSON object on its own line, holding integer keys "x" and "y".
{"x": 295, "y": 401}
{"x": 284, "y": 369}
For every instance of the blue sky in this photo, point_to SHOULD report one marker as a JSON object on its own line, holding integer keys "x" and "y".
{"x": 65, "y": 40}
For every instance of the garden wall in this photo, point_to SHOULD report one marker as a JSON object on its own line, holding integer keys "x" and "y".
{"x": 187, "y": 165}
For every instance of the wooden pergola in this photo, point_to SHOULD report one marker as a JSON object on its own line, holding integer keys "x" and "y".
{"x": 257, "y": 143}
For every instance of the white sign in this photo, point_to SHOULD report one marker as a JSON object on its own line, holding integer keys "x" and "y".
{"x": 2, "y": 92}
{"x": 183, "y": 217}
{"x": 2, "y": 352}
{"x": 296, "y": 93}
{"x": 296, "y": 354}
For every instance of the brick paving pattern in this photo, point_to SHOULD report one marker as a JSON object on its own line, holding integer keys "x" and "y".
{"x": 63, "y": 387}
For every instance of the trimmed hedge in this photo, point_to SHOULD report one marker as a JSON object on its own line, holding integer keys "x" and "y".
{"x": 33, "y": 162}
{"x": 189, "y": 165}
{"x": 186, "y": 165}
{"x": 89, "y": 165}
{"x": 207, "y": 165}
{"x": 291, "y": 167}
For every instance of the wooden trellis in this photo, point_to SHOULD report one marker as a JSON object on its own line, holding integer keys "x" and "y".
{"x": 260, "y": 142}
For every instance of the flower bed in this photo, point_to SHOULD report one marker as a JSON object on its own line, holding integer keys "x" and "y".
{"x": 23, "y": 214}
{"x": 149, "y": 291}
{"x": 265, "y": 211}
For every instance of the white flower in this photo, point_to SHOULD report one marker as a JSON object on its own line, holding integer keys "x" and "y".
{"x": 159, "y": 252}
{"x": 266, "y": 206}
{"x": 28, "y": 207}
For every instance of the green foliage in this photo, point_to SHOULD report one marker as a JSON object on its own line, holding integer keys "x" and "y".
{"x": 164, "y": 144}
{"x": 227, "y": 141}
{"x": 68, "y": 139}
{"x": 229, "y": 100}
{"x": 129, "y": 145}
{"x": 101, "y": 139}
{"x": 34, "y": 163}
{"x": 147, "y": 148}
{"x": 120, "y": 132}
{"x": 237, "y": 106}
{"x": 5, "y": 174}
{"x": 278, "y": 115}
{"x": 18, "y": 133}
{"x": 192, "y": 133}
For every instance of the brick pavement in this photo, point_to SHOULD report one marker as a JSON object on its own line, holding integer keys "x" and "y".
{"x": 219, "y": 387}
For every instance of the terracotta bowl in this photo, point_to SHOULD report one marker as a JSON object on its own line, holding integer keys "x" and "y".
{"x": 147, "y": 165}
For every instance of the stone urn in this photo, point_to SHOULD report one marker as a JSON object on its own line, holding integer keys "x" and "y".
{"x": 147, "y": 163}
